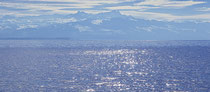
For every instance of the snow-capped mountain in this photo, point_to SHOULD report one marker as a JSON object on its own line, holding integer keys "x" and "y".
{"x": 108, "y": 25}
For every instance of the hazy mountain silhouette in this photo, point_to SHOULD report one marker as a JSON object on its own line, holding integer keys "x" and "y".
{"x": 108, "y": 25}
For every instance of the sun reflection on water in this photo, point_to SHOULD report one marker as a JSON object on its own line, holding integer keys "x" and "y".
{"x": 102, "y": 69}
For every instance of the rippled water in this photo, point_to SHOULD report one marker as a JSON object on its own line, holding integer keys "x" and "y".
{"x": 88, "y": 66}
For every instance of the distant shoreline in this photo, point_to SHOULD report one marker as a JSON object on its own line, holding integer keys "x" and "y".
{"x": 36, "y": 39}
{"x": 92, "y": 39}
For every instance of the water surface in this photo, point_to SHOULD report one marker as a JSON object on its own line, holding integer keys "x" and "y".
{"x": 109, "y": 66}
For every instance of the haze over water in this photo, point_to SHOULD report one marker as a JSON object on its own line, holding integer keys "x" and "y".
{"x": 85, "y": 66}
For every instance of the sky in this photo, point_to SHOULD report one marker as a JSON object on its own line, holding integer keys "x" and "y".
{"x": 158, "y": 10}
{"x": 167, "y": 10}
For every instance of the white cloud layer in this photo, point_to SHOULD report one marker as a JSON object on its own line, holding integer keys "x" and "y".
{"x": 66, "y": 7}
{"x": 26, "y": 26}
{"x": 165, "y": 16}
{"x": 94, "y": 11}
{"x": 82, "y": 28}
{"x": 40, "y": 7}
{"x": 97, "y": 22}
{"x": 17, "y": 14}
{"x": 61, "y": 20}
{"x": 140, "y": 8}
{"x": 170, "y": 3}
{"x": 203, "y": 9}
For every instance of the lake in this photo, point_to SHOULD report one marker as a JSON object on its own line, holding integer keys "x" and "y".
{"x": 104, "y": 66}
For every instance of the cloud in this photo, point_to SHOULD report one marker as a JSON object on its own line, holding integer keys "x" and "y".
{"x": 61, "y": 20}
{"x": 83, "y": 28}
{"x": 88, "y": 1}
{"x": 37, "y": 7}
{"x": 150, "y": 15}
{"x": 154, "y": 4}
{"x": 60, "y": 12}
{"x": 203, "y": 9}
{"x": 26, "y": 26}
{"x": 97, "y": 22}
{"x": 17, "y": 13}
{"x": 141, "y": 8}
{"x": 166, "y": 16}
{"x": 75, "y": 4}
{"x": 94, "y": 11}
{"x": 151, "y": 28}
{"x": 55, "y": 6}
{"x": 188, "y": 30}
{"x": 50, "y": 7}
{"x": 171, "y": 28}
{"x": 170, "y": 3}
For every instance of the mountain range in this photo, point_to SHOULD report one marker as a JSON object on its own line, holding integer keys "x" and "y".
{"x": 103, "y": 26}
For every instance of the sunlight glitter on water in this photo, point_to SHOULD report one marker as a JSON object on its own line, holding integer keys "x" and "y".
{"x": 105, "y": 69}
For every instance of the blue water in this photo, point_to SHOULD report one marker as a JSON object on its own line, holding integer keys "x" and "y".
{"x": 104, "y": 66}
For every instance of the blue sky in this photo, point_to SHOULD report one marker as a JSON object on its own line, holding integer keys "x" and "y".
{"x": 166, "y": 10}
